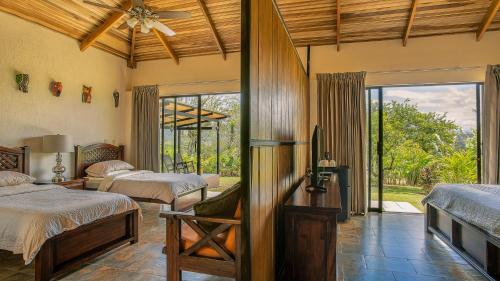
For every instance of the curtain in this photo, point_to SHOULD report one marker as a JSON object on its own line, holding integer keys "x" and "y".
{"x": 145, "y": 128}
{"x": 491, "y": 125}
{"x": 342, "y": 114}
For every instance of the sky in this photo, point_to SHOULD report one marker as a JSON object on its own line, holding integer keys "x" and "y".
{"x": 457, "y": 101}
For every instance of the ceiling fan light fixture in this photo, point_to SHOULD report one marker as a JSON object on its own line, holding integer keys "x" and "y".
{"x": 132, "y": 22}
{"x": 144, "y": 28}
{"x": 149, "y": 23}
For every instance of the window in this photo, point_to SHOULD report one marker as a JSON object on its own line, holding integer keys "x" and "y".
{"x": 201, "y": 134}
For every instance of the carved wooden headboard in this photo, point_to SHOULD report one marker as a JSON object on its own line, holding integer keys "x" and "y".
{"x": 95, "y": 153}
{"x": 15, "y": 159}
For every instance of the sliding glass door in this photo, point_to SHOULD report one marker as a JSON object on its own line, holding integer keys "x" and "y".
{"x": 200, "y": 134}
{"x": 420, "y": 136}
{"x": 375, "y": 143}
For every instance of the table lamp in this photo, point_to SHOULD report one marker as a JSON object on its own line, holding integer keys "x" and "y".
{"x": 57, "y": 144}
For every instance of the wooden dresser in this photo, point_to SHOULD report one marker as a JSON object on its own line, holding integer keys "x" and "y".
{"x": 311, "y": 233}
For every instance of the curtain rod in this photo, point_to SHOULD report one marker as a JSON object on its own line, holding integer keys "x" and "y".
{"x": 199, "y": 83}
{"x": 457, "y": 68}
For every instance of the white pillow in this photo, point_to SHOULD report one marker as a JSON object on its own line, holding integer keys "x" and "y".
{"x": 9, "y": 178}
{"x": 102, "y": 169}
{"x": 92, "y": 176}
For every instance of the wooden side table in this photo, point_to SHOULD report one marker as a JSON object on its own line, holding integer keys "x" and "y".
{"x": 75, "y": 184}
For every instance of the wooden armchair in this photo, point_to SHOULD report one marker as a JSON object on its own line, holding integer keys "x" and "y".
{"x": 189, "y": 247}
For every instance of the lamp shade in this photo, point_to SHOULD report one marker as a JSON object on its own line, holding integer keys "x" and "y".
{"x": 57, "y": 143}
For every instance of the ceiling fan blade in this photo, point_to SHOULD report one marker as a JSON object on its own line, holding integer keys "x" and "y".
{"x": 104, "y": 6}
{"x": 138, "y": 3}
{"x": 124, "y": 25}
{"x": 163, "y": 28}
{"x": 173, "y": 14}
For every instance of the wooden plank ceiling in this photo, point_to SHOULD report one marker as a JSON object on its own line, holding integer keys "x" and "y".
{"x": 370, "y": 20}
{"x": 214, "y": 27}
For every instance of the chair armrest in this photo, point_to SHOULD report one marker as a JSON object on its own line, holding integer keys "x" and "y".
{"x": 181, "y": 215}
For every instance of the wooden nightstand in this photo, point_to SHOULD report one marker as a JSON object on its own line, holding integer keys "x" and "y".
{"x": 76, "y": 184}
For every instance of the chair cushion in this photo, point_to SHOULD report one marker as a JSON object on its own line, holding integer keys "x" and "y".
{"x": 230, "y": 243}
{"x": 189, "y": 237}
{"x": 222, "y": 205}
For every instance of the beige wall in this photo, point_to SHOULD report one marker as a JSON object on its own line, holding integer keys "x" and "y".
{"x": 172, "y": 78}
{"x": 460, "y": 50}
{"x": 45, "y": 55}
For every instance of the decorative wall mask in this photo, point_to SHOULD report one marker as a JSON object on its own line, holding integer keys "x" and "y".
{"x": 116, "y": 96}
{"x": 86, "y": 94}
{"x": 23, "y": 81}
{"x": 56, "y": 88}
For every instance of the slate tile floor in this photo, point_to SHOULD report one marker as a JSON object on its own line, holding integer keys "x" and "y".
{"x": 395, "y": 247}
{"x": 388, "y": 247}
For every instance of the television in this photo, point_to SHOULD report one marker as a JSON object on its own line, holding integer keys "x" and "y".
{"x": 317, "y": 154}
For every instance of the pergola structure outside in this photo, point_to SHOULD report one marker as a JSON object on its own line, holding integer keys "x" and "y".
{"x": 186, "y": 117}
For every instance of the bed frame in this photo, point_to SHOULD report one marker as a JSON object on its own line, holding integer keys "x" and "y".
{"x": 71, "y": 249}
{"x": 476, "y": 246}
{"x": 85, "y": 156}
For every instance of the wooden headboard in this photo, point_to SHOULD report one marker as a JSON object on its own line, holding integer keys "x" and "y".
{"x": 95, "y": 153}
{"x": 15, "y": 159}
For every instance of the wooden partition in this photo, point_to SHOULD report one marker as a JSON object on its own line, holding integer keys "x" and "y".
{"x": 275, "y": 137}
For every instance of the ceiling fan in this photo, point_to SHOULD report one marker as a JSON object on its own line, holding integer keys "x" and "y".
{"x": 147, "y": 17}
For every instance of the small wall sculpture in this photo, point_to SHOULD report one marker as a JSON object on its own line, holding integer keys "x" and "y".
{"x": 86, "y": 94}
{"x": 23, "y": 81}
{"x": 56, "y": 88}
{"x": 116, "y": 96}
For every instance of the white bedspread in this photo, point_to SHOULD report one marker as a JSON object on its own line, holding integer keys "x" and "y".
{"x": 477, "y": 204}
{"x": 146, "y": 184}
{"x": 32, "y": 214}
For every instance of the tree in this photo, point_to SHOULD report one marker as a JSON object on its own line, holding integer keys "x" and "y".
{"x": 229, "y": 136}
{"x": 423, "y": 148}
{"x": 460, "y": 166}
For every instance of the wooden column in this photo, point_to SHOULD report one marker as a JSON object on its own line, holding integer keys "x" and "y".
{"x": 275, "y": 134}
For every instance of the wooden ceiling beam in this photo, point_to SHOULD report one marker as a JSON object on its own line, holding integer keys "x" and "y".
{"x": 204, "y": 9}
{"x": 105, "y": 26}
{"x": 488, "y": 19}
{"x": 131, "y": 60}
{"x": 411, "y": 18}
{"x": 164, "y": 42}
{"x": 338, "y": 25}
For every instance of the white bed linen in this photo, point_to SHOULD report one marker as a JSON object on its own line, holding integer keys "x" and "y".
{"x": 146, "y": 184}
{"x": 93, "y": 183}
{"x": 477, "y": 204}
{"x": 31, "y": 214}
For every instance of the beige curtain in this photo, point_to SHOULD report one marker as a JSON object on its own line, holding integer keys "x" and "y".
{"x": 145, "y": 128}
{"x": 491, "y": 125}
{"x": 341, "y": 113}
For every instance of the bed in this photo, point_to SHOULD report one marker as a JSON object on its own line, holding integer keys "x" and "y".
{"x": 467, "y": 217}
{"x": 58, "y": 228}
{"x": 180, "y": 191}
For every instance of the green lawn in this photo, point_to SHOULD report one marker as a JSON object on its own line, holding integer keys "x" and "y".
{"x": 410, "y": 194}
{"x": 226, "y": 182}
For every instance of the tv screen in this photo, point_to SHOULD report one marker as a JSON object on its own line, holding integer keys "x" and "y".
{"x": 317, "y": 152}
